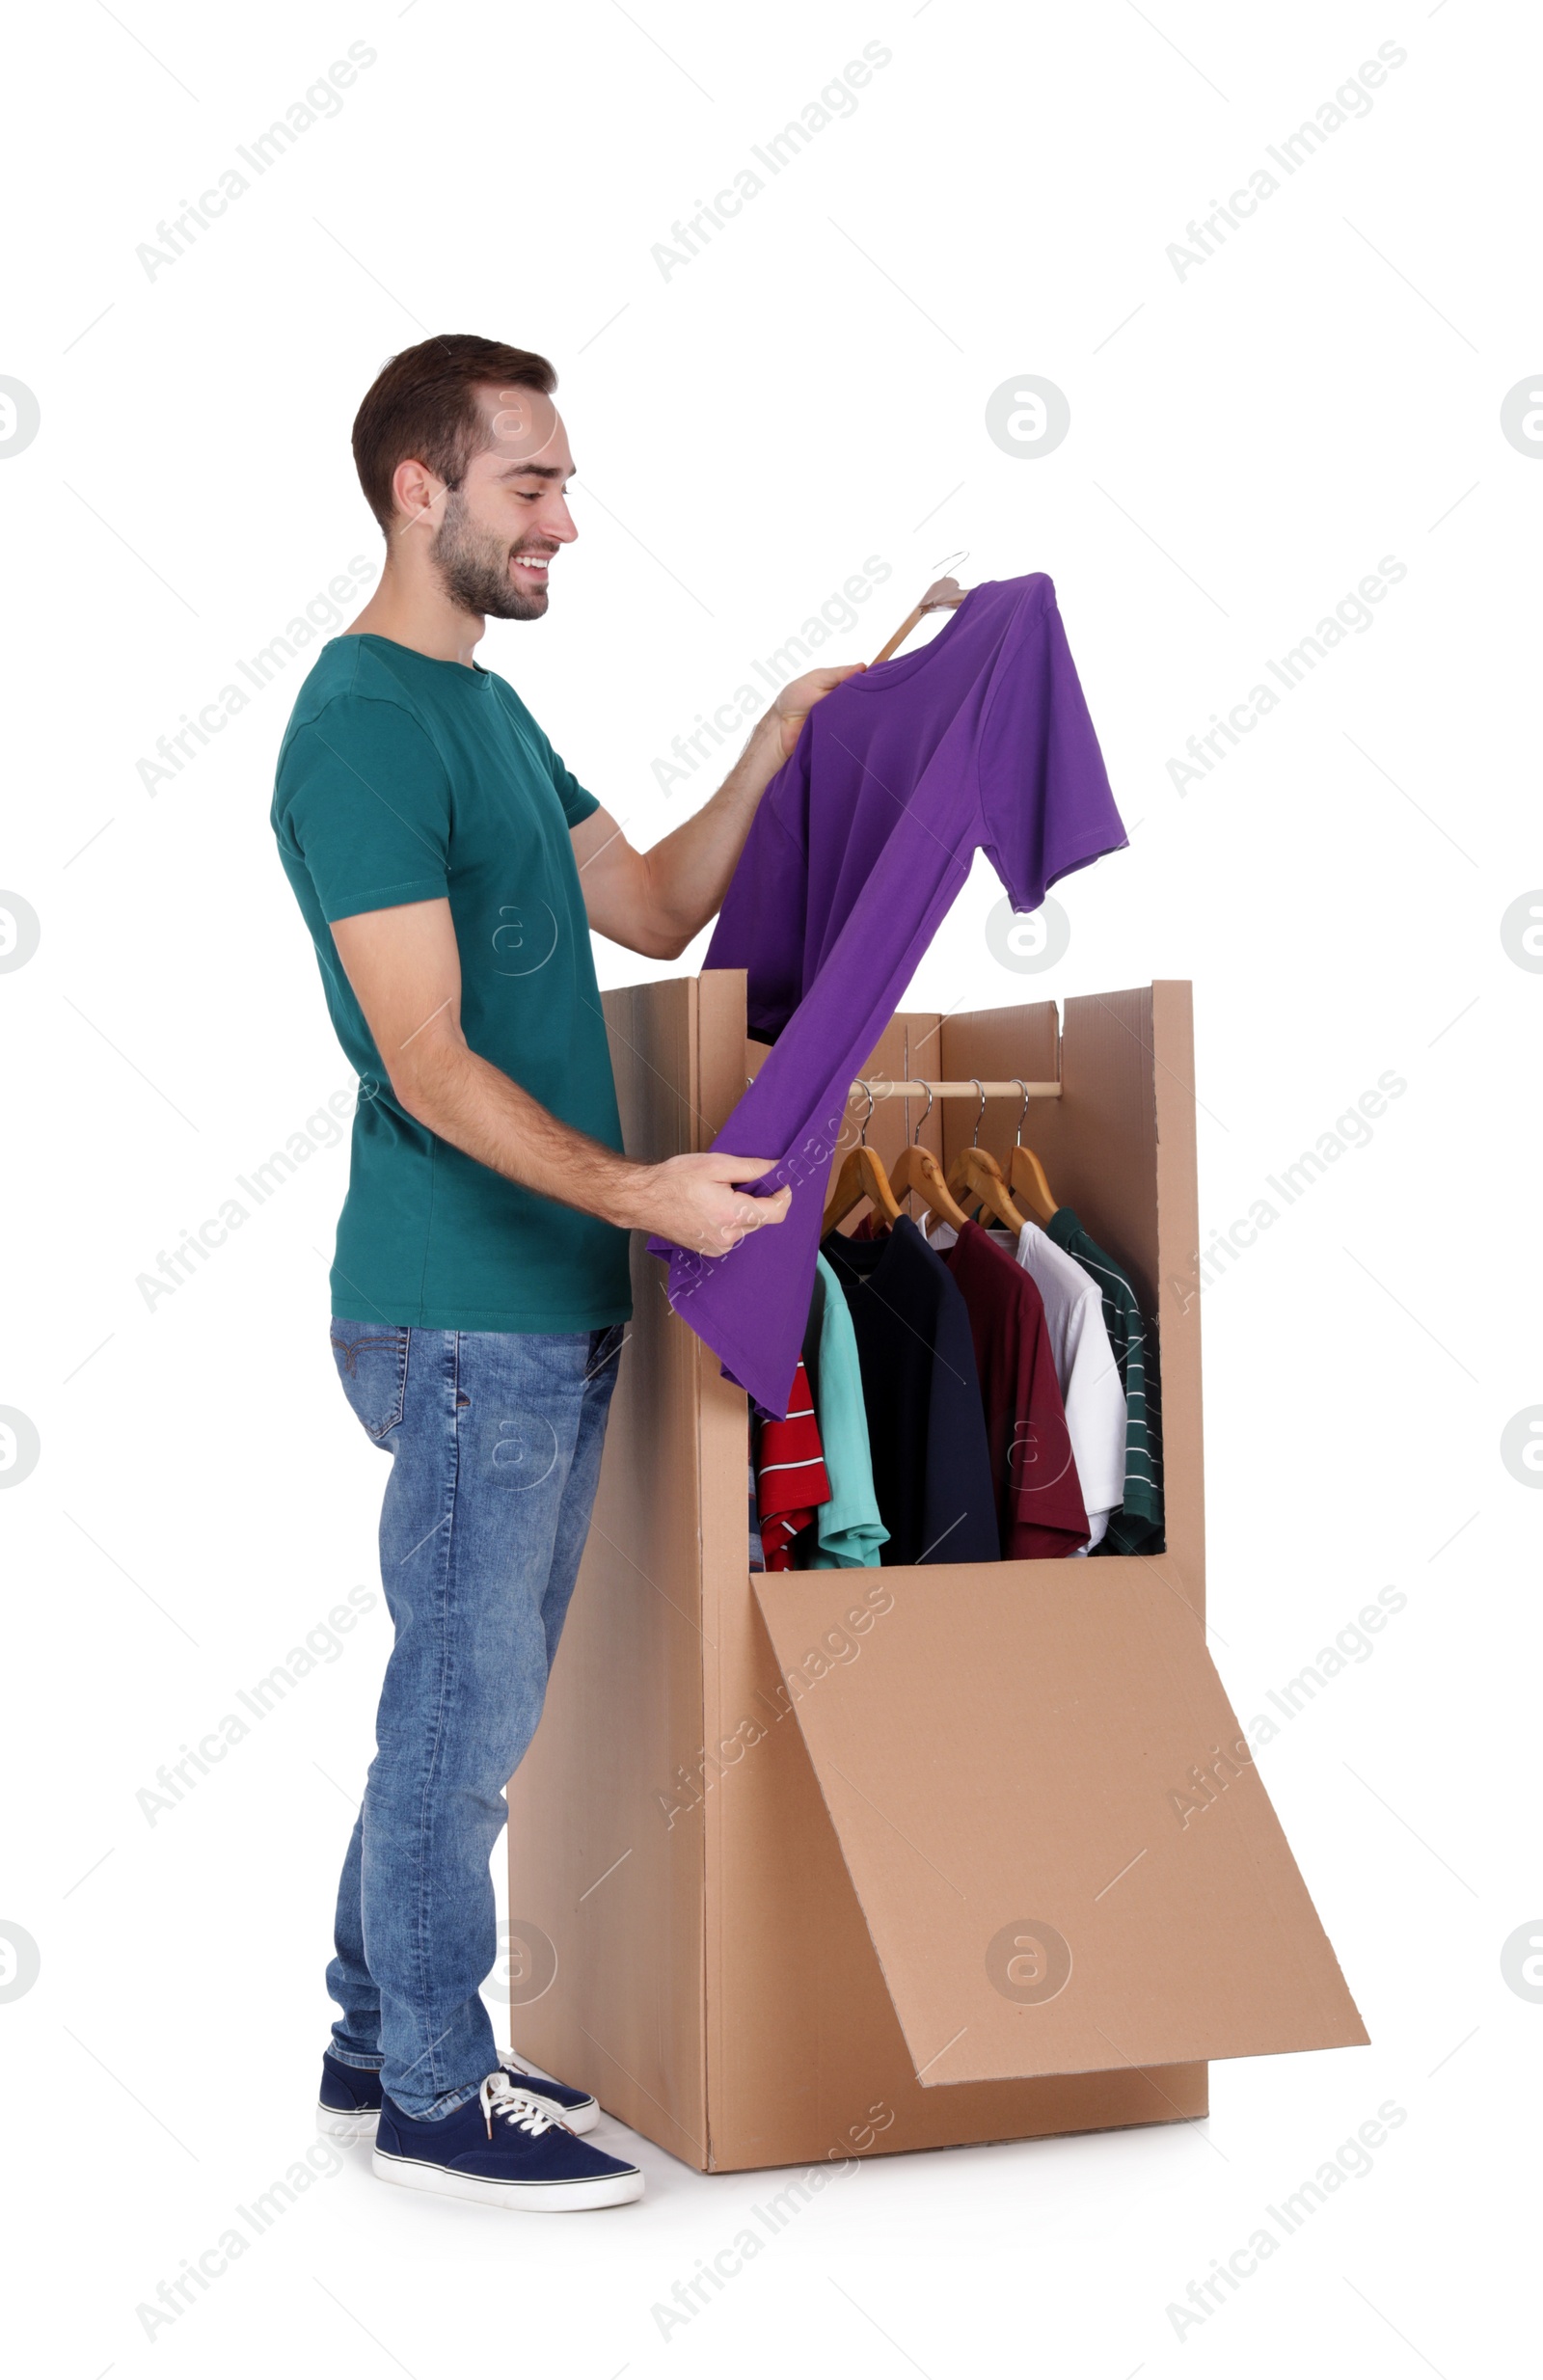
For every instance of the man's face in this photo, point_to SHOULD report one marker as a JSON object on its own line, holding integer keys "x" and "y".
{"x": 507, "y": 519}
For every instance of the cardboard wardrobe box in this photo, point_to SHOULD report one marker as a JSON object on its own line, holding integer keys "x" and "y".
{"x": 824, "y": 1863}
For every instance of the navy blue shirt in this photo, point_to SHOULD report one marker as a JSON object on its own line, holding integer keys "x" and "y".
{"x": 925, "y": 1421}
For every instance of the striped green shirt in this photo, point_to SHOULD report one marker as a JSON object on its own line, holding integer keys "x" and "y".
{"x": 1137, "y": 1527}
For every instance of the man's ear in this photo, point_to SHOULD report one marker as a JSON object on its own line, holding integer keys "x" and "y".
{"x": 416, "y": 490}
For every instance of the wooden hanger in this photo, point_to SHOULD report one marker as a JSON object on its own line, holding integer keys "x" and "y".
{"x": 1025, "y": 1175}
{"x": 918, "y": 1170}
{"x": 977, "y": 1177}
{"x": 943, "y": 595}
{"x": 861, "y": 1176}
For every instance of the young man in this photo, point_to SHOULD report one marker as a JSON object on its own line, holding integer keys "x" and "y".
{"x": 449, "y": 869}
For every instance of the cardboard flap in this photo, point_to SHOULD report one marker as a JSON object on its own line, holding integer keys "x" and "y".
{"x": 1062, "y": 1847}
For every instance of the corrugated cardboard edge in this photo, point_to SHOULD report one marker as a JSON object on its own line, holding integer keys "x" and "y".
{"x": 722, "y": 1459}
{"x": 640, "y": 2044}
{"x": 1178, "y": 1324}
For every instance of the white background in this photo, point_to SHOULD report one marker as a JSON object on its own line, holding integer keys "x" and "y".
{"x": 1248, "y": 440}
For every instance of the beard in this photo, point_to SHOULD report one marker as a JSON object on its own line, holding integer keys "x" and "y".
{"x": 473, "y": 565}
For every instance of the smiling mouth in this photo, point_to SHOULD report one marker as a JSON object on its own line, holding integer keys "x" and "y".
{"x": 536, "y": 565}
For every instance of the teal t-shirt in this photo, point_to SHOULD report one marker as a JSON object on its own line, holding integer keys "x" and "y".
{"x": 848, "y": 1531}
{"x": 403, "y": 778}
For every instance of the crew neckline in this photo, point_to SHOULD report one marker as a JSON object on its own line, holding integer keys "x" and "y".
{"x": 905, "y": 664}
{"x": 367, "y": 635}
{"x": 874, "y": 1252}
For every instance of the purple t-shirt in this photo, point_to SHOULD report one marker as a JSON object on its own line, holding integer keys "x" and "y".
{"x": 979, "y": 742}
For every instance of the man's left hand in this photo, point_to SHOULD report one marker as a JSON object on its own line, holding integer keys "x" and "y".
{"x": 797, "y": 700}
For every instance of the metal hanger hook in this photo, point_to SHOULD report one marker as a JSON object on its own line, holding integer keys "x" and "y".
{"x": 975, "y": 1136}
{"x": 1018, "y": 1129}
{"x": 916, "y": 1136}
{"x": 862, "y": 1135}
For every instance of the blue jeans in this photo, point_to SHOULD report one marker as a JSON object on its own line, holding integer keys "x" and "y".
{"x": 495, "y": 1439}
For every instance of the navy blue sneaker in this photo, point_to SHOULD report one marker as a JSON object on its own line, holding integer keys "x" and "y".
{"x": 579, "y": 2110}
{"x": 505, "y": 2149}
{"x": 349, "y": 2106}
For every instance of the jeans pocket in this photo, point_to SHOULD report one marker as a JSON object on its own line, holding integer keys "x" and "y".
{"x": 605, "y": 1349}
{"x": 372, "y": 1359}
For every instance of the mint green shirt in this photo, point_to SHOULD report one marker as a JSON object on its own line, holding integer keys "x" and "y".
{"x": 402, "y": 778}
{"x": 847, "y": 1530}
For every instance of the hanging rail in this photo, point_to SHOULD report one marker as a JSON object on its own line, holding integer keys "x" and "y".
{"x": 881, "y": 1087}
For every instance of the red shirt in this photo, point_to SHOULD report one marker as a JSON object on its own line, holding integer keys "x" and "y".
{"x": 1039, "y": 1496}
{"x": 790, "y": 1473}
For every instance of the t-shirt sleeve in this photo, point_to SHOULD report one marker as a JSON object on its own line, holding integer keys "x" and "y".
{"x": 1045, "y": 804}
{"x": 578, "y": 802}
{"x": 364, "y": 800}
{"x": 761, "y": 925}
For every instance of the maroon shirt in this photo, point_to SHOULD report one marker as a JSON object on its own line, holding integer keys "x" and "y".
{"x": 1039, "y": 1496}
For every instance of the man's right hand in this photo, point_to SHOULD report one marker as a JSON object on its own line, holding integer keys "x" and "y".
{"x": 691, "y": 1201}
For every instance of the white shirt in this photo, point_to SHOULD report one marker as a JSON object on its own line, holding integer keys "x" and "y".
{"x": 1085, "y": 1367}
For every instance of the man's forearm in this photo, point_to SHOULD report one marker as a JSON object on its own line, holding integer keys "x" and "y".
{"x": 691, "y": 1199}
{"x": 487, "y": 1115}
{"x": 689, "y": 871}
{"x": 659, "y": 901}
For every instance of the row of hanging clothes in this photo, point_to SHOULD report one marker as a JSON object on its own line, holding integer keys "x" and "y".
{"x": 977, "y": 1381}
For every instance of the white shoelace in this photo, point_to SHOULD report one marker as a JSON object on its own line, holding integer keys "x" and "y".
{"x": 497, "y": 2097}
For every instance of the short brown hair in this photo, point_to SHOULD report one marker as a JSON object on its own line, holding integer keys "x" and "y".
{"x": 424, "y": 408}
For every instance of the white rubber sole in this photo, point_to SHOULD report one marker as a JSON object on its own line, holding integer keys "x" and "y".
{"x": 531, "y": 2198}
{"x": 345, "y": 2126}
